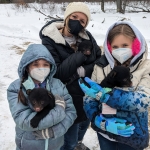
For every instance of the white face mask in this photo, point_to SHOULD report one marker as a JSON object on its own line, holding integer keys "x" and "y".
{"x": 122, "y": 54}
{"x": 39, "y": 74}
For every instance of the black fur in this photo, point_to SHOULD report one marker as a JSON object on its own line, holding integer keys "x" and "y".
{"x": 42, "y": 101}
{"x": 120, "y": 76}
{"x": 85, "y": 46}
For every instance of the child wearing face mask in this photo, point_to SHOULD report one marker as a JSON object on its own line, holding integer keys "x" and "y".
{"x": 62, "y": 38}
{"x": 124, "y": 45}
{"x": 36, "y": 69}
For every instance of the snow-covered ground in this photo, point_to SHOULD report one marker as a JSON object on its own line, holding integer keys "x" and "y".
{"x": 19, "y": 28}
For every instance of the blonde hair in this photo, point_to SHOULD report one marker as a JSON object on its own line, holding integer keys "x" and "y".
{"x": 66, "y": 23}
{"x": 121, "y": 29}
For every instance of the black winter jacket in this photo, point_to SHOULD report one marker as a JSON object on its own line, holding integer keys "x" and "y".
{"x": 67, "y": 61}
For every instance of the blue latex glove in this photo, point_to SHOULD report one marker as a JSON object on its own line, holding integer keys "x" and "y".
{"x": 114, "y": 125}
{"x": 95, "y": 90}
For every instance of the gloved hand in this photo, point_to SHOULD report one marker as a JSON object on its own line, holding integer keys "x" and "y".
{"x": 43, "y": 134}
{"x": 81, "y": 71}
{"x": 114, "y": 125}
{"x": 95, "y": 90}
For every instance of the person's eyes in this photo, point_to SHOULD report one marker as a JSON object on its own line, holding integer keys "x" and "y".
{"x": 46, "y": 65}
{"x": 35, "y": 64}
{"x": 114, "y": 47}
{"x": 74, "y": 17}
{"x": 125, "y": 45}
{"x": 82, "y": 22}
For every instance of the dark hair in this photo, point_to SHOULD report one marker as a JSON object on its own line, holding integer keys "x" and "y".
{"x": 123, "y": 29}
{"x": 21, "y": 97}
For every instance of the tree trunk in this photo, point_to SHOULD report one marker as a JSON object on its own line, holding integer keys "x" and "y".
{"x": 124, "y": 4}
{"x": 102, "y": 5}
{"x": 119, "y": 6}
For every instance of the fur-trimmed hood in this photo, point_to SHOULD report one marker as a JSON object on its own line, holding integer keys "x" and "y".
{"x": 51, "y": 30}
{"x": 139, "y": 36}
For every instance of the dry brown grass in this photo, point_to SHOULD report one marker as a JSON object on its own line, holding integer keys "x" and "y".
{"x": 18, "y": 50}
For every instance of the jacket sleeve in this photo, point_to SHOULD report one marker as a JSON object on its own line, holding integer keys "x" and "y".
{"x": 97, "y": 48}
{"x": 23, "y": 114}
{"x": 97, "y": 74}
{"x": 94, "y": 76}
{"x": 62, "y": 127}
{"x": 129, "y": 100}
{"x": 67, "y": 67}
{"x": 89, "y": 68}
{"x": 90, "y": 106}
{"x": 141, "y": 77}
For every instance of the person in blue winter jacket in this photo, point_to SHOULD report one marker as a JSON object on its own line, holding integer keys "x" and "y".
{"x": 36, "y": 69}
{"x": 127, "y": 126}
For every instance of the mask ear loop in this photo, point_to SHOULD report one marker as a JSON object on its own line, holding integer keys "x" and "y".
{"x": 136, "y": 45}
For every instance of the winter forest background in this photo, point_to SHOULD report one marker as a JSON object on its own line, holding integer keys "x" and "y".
{"x": 20, "y": 23}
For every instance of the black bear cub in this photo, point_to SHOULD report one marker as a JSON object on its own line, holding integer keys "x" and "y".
{"x": 42, "y": 101}
{"x": 85, "y": 47}
{"x": 120, "y": 76}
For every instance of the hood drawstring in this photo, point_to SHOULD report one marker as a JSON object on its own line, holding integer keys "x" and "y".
{"x": 46, "y": 144}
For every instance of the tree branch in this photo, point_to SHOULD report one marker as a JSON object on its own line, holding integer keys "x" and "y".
{"x": 138, "y": 7}
{"x": 43, "y": 13}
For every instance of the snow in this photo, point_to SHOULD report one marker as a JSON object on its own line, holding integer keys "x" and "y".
{"x": 19, "y": 28}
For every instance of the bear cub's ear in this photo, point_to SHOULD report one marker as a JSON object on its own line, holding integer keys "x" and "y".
{"x": 113, "y": 74}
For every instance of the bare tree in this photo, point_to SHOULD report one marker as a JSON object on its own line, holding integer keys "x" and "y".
{"x": 119, "y": 5}
{"x": 139, "y": 6}
{"x": 102, "y": 5}
{"x": 124, "y": 4}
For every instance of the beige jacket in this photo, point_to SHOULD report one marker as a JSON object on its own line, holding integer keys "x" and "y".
{"x": 140, "y": 71}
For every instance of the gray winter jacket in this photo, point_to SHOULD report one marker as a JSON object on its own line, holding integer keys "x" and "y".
{"x": 58, "y": 119}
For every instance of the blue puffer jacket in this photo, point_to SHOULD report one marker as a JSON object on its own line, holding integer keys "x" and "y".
{"x": 131, "y": 106}
{"x": 58, "y": 119}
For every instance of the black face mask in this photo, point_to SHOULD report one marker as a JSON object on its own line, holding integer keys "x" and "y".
{"x": 75, "y": 26}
